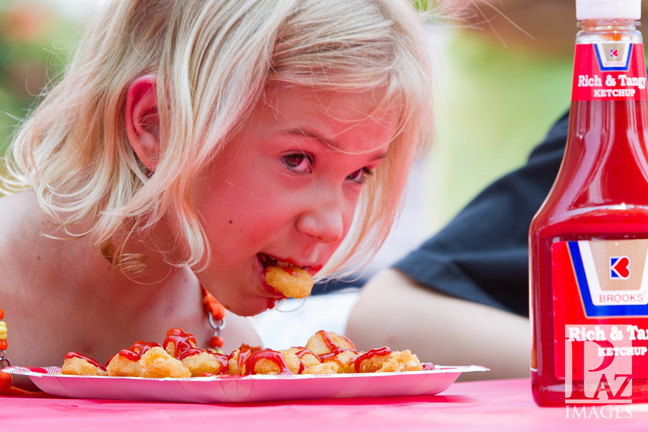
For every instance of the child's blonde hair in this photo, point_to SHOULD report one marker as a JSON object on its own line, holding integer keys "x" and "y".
{"x": 212, "y": 59}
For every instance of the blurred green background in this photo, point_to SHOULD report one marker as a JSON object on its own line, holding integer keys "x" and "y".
{"x": 36, "y": 40}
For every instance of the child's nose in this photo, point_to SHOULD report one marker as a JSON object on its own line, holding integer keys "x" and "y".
{"x": 324, "y": 221}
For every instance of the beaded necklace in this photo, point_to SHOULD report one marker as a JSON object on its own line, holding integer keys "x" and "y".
{"x": 216, "y": 317}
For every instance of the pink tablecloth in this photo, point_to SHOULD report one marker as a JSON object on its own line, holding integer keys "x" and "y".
{"x": 498, "y": 405}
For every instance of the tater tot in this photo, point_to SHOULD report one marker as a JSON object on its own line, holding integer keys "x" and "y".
{"x": 324, "y": 342}
{"x": 121, "y": 365}
{"x": 157, "y": 363}
{"x": 203, "y": 363}
{"x": 290, "y": 281}
{"x": 74, "y": 365}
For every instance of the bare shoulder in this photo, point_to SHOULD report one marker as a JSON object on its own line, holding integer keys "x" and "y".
{"x": 17, "y": 236}
{"x": 21, "y": 276}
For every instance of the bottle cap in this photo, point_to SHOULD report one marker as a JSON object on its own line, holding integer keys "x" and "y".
{"x": 610, "y": 9}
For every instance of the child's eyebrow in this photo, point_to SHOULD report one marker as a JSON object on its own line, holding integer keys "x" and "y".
{"x": 314, "y": 135}
{"x": 329, "y": 142}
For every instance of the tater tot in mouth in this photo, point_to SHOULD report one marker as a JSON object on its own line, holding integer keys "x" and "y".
{"x": 287, "y": 279}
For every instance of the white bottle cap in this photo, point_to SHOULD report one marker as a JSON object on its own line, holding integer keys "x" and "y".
{"x": 611, "y": 9}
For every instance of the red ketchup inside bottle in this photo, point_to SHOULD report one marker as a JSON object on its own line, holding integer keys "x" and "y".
{"x": 589, "y": 240}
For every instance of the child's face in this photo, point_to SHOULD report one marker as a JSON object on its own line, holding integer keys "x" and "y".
{"x": 286, "y": 186}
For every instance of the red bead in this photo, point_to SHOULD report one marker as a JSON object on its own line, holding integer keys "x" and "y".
{"x": 1, "y": 314}
{"x": 216, "y": 342}
{"x": 3, "y": 344}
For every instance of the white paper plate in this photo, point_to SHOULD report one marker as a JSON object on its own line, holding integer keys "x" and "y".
{"x": 253, "y": 388}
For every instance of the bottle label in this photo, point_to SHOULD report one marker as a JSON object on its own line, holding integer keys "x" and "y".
{"x": 600, "y": 309}
{"x": 607, "y": 71}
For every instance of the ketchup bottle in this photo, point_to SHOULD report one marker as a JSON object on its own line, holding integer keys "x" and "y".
{"x": 589, "y": 240}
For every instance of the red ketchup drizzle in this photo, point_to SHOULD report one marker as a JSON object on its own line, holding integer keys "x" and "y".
{"x": 189, "y": 352}
{"x": 276, "y": 357}
{"x": 222, "y": 359}
{"x": 328, "y": 356}
{"x": 141, "y": 347}
{"x": 327, "y": 340}
{"x": 129, "y": 354}
{"x": 335, "y": 350}
{"x": 243, "y": 352}
{"x": 241, "y": 360}
{"x": 331, "y": 356}
{"x": 137, "y": 350}
{"x": 301, "y": 353}
{"x": 93, "y": 362}
{"x": 247, "y": 347}
{"x": 181, "y": 342}
{"x": 376, "y": 352}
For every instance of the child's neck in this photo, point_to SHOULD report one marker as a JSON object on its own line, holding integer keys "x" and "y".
{"x": 78, "y": 265}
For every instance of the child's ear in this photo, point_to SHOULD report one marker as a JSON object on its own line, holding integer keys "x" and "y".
{"x": 142, "y": 120}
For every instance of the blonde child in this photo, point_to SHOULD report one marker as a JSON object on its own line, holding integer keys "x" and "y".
{"x": 193, "y": 142}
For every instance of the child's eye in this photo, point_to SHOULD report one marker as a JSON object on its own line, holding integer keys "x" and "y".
{"x": 298, "y": 162}
{"x": 359, "y": 176}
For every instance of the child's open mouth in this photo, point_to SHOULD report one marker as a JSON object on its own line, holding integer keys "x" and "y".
{"x": 269, "y": 261}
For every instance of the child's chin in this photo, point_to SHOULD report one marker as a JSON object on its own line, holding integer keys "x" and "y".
{"x": 255, "y": 306}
